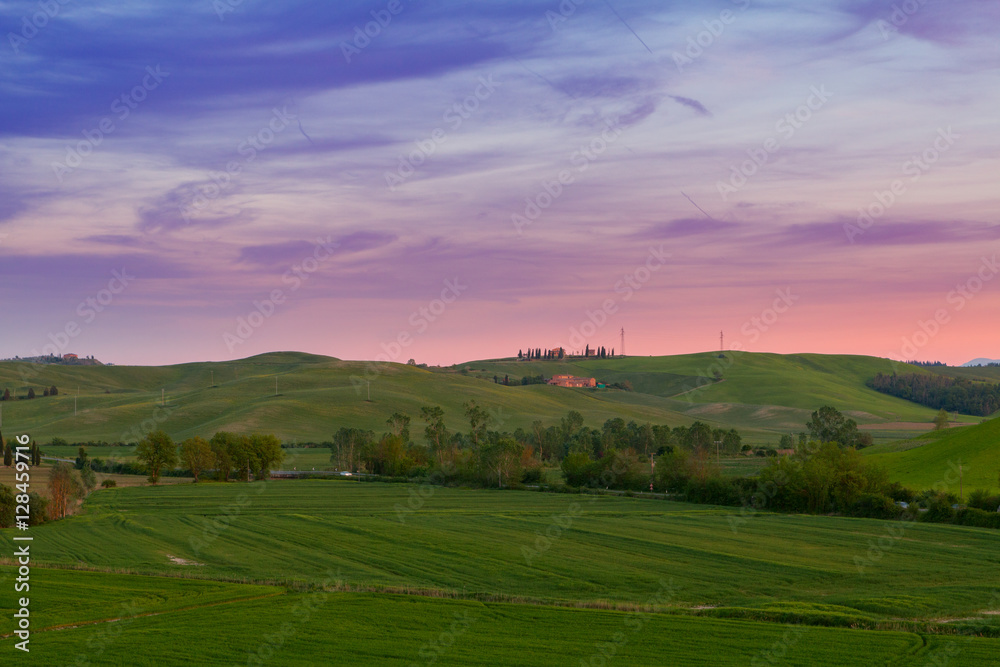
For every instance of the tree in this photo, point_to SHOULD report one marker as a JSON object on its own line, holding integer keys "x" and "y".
{"x": 828, "y": 425}
{"x": 435, "y": 432}
{"x": 157, "y": 451}
{"x": 569, "y": 424}
{"x": 53, "y": 391}
{"x": 243, "y": 456}
{"x": 941, "y": 420}
{"x": 222, "y": 444}
{"x": 63, "y": 487}
{"x": 266, "y": 454}
{"x": 6, "y": 394}
{"x": 31, "y": 392}
{"x": 479, "y": 421}
{"x": 197, "y": 455}
{"x": 36, "y": 454}
{"x": 502, "y": 458}
{"x": 87, "y": 478}
{"x": 8, "y": 454}
{"x": 81, "y": 457}
{"x": 399, "y": 424}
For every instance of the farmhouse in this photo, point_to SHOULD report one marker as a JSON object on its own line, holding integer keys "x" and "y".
{"x": 572, "y": 381}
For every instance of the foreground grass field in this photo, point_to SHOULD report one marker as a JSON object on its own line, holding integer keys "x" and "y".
{"x": 360, "y": 629}
{"x": 307, "y": 572}
{"x": 533, "y": 545}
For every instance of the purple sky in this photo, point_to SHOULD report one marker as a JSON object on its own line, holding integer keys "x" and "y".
{"x": 406, "y": 185}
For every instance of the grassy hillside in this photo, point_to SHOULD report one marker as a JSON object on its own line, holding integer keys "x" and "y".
{"x": 761, "y": 394}
{"x": 932, "y": 458}
{"x": 476, "y": 541}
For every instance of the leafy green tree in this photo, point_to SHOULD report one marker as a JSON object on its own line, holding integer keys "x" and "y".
{"x": 267, "y": 454}
{"x": 222, "y": 444}
{"x": 87, "y": 478}
{"x": 53, "y": 391}
{"x": 435, "y": 432}
{"x": 479, "y": 422}
{"x": 828, "y": 425}
{"x": 36, "y": 454}
{"x": 941, "y": 420}
{"x": 501, "y": 458}
{"x": 6, "y": 394}
{"x": 31, "y": 392}
{"x": 81, "y": 457}
{"x": 37, "y": 509}
{"x": 197, "y": 455}
{"x": 399, "y": 424}
{"x": 348, "y": 444}
{"x": 243, "y": 456}
{"x": 570, "y": 424}
{"x": 157, "y": 452}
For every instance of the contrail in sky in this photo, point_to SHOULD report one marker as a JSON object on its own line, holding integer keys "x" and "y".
{"x": 697, "y": 207}
{"x": 630, "y": 28}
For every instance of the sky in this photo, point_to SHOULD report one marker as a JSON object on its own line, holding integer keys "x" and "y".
{"x": 448, "y": 181}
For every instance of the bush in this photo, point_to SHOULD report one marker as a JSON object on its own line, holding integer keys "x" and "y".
{"x": 109, "y": 484}
{"x": 971, "y": 516}
{"x": 713, "y": 491}
{"x": 874, "y": 506}
{"x": 982, "y": 500}
{"x": 38, "y": 506}
{"x": 532, "y": 475}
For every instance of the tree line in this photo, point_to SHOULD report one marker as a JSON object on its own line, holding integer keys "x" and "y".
{"x": 46, "y": 391}
{"x": 941, "y": 392}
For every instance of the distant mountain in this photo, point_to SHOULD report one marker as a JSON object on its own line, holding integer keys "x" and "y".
{"x": 981, "y": 361}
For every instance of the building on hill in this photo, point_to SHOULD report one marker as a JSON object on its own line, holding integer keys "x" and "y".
{"x": 572, "y": 381}
{"x": 71, "y": 357}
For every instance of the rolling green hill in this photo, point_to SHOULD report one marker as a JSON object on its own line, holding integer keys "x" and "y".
{"x": 932, "y": 458}
{"x": 761, "y": 394}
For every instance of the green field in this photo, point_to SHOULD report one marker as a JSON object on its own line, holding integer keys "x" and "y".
{"x": 762, "y": 394}
{"x": 934, "y": 458}
{"x": 351, "y": 629}
{"x": 723, "y": 585}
